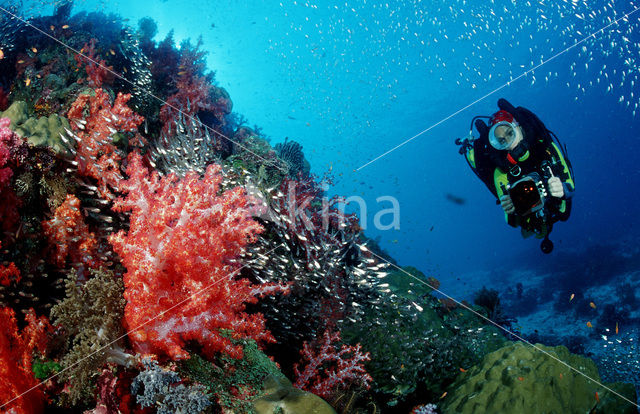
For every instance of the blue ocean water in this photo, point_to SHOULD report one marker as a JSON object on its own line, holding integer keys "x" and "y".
{"x": 377, "y": 92}
{"x": 351, "y": 80}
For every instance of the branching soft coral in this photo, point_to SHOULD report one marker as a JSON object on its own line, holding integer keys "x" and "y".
{"x": 95, "y": 121}
{"x": 180, "y": 253}
{"x": 96, "y": 68}
{"x": 69, "y": 235}
{"x": 194, "y": 89}
{"x": 91, "y": 315}
{"x": 327, "y": 368}
{"x": 16, "y": 352}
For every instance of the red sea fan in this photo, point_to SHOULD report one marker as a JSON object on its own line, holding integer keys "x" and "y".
{"x": 16, "y": 352}
{"x": 180, "y": 253}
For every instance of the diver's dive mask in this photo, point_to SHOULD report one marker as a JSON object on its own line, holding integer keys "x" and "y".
{"x": 503, "y": 134}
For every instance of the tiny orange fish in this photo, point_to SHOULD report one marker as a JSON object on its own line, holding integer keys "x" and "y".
{"x": 182, "y": 73}
{"x": 573, "y": 295}
{"x": 520, "y": 379}
{"x": 561, "y": 375}
{"x": 1, "y": 54}
{"x": 66, "y": 26}
{"x": 593, "y": 305}
{"x": 589, "y": 325}
{"x": 617, "y": 328}
{"x": 444, "y": 394}
{"x": 597, "y": 397}
{"x": 463, "y": 370}
{"x": 52, "y": 27}
{"x": 112, "y": 52}
{"x": 34, "y": 50}
{"x": 27, "y": 82}
{"x": 21, "y": 61}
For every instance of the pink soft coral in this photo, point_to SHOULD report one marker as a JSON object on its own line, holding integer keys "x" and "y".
{"x": 328, "y": 367}
{"x": 9, "y": 202}
{"x": 6, "y": 135}
{"x": 180, "y": 252}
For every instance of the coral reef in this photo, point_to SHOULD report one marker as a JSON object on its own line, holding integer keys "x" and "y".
{"x": 188, "y": 265}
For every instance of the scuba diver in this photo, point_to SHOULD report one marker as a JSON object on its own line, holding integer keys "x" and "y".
{"x": 525, "y": 167}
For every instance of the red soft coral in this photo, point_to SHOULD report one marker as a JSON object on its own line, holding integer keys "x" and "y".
{"x": 96, "y": 68}
{"x": 194, "y": 90}
{"x": 180, "y": 254}
{"x": 9, "y": 273}
{"x": 327, "y": 368}
{"x": 70, "y": 236}
{"x": 96, "y": 154}
{"x": 17, "y": 392}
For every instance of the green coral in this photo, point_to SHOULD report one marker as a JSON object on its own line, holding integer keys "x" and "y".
{"x": 44, "y": 369}
{"x": 520, "y": 378}
{"x": 91, "y": 316}
{"x": 257, "y": 159}
{"x": 225, "y": 375}
{"x": 43, "y": 131}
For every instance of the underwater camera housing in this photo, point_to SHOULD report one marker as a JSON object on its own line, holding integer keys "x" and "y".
{"x": 528, "y": 195}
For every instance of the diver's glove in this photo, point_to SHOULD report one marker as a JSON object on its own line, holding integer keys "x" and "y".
{"x": 507, "y": 204}
{"x": 555, "y": 187}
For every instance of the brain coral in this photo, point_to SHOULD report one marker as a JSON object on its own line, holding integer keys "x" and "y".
{"x": 520, "y": 379}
